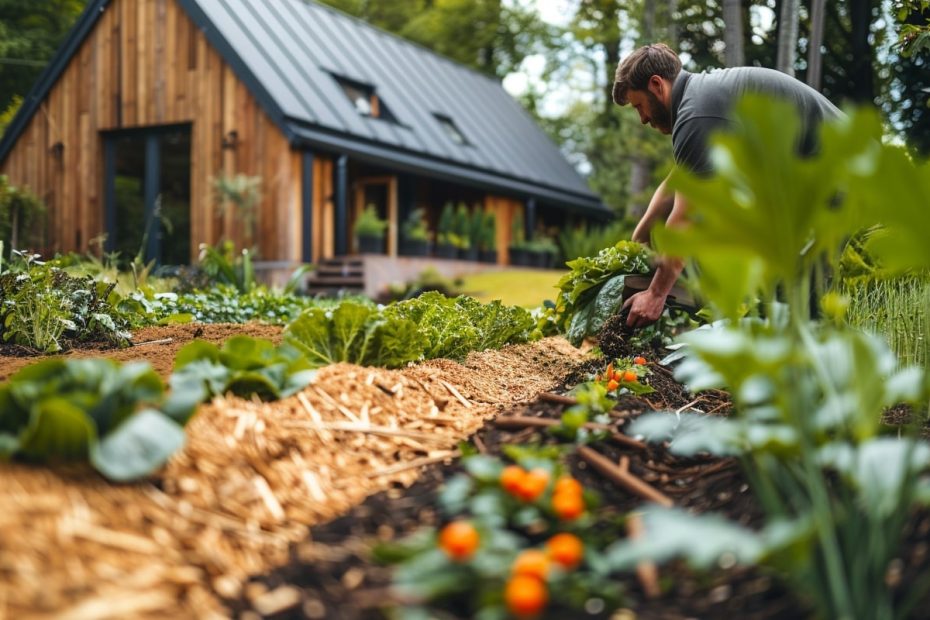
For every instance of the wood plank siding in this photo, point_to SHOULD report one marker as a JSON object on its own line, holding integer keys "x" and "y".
{"x": 146, "y": 64}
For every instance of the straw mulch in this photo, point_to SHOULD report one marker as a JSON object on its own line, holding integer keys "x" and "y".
{"x": 250, "y": 481}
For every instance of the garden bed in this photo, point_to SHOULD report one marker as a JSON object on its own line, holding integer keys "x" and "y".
{"x": 251, "y": 480}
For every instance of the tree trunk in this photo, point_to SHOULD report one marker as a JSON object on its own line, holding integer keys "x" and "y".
{"x": 787, "y": 36}
{"x": 814, "y": 55}
{"x": 860, "y": 74}
{"x": 733, "y": 33}
{"x": 648, "y": 30}
{"x": 672, "y": 28}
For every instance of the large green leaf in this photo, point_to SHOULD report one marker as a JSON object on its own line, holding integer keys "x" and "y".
{"x": 878, "y": 470}
{"x": 702, "y": 540}
{"x": 140, "y": 445}
{"x": 774, "y": 213}
{"x": 691, "y": 433}
{"x": 58, "y": 430}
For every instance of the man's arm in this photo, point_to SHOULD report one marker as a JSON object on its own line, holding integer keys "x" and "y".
{"x": 660, "y": 207}
{"x": 646, "y": 306}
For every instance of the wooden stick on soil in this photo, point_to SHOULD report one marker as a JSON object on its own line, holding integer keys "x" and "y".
{"x": 429, "y": 460}
{"x": 558, "y": 398}
{"x": 373, "y": 429}
{"x": 623, "y": 479}
{"x": 646, "y": 572}
{"x": 161, "y": 341}
{"x": 518, "y": 422}
{"x": 455, "y": 393}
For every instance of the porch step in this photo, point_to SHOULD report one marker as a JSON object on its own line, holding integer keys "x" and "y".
{"x": 336, "y": 276}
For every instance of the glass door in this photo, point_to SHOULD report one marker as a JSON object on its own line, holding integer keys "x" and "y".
{"x": 147, "y": 205}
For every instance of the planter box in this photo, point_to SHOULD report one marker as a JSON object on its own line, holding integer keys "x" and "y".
{"x": 488, "y": 256}
{"x": 447, "y": 251}
{"x": 518, "y": 257}
{"x": 414, "y": 248}
{"x": 469, "y": 254}
{"x": 371, "y": 245}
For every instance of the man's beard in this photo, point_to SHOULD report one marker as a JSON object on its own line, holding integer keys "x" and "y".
{"x": 659, "y": 115}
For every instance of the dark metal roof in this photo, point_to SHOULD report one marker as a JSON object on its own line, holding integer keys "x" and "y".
{"x": 288, "y": 51}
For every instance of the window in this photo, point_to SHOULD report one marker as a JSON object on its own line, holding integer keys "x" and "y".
{"x": 451, "y": 129}
{"x": 365, "y": 99}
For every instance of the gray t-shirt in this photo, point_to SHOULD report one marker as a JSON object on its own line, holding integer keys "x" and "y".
{"x": 701, "y": 104}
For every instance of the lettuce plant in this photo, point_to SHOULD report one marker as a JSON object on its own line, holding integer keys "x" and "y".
{"x": 357, "y": 333}
{"x": 242, "y": 366}
{"x": 94, "y": 409}
{"x": 808, "y": 397}
{"x": 454, "y": 327}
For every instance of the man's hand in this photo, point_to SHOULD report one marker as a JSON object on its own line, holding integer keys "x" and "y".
{"x": 645, "y": 308}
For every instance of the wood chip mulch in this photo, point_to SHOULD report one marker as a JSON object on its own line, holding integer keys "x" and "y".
{"x": 252, "y": 479}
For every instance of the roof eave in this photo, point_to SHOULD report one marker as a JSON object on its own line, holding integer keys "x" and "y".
{"x": 331, "y": 142}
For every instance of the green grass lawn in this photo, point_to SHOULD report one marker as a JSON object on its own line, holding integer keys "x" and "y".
{"x": 515, "y": 287}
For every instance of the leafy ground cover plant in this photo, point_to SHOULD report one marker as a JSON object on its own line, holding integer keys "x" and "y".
{"x": 518, "y": 542}
{"x": 808, "y": 396}
{"x": 96, "y": 409}
{"x": 44, "y": 308}
{"x": 223, "y": 303}
{"x": 243, "y": 366}
{"x": 451, "y": 328}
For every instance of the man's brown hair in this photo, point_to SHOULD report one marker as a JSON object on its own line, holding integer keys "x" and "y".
{"x": 634, "y": 71}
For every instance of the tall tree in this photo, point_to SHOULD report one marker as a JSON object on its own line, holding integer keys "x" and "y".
{"x": 733, "y": 33}
{"x": 488, "y": 35}
{"x": 596, "y": 25}
{"x": 787, "y": 36}
{"x": 814, "y": 44}
{"x": 908, "y": 104}
{"x": 30, "y": 32}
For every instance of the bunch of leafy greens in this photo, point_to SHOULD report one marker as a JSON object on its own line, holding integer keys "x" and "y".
{"x": 808, "y": 396}
{"x": 591, "y": 292}
{"x": 357, "y": 333}
{"x": 453, "y": 327}
{"x": 95, "y": 408}
{"x": 46, "y": 309}
{"x": 243, "y": 366}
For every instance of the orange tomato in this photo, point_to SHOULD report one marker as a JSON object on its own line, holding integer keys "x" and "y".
{"x": 525, "y": 595}
{"x": 639, "y": 361}
{"x": 532, "y": 562}
{"x": 612, "y": 385}
{"x": 459, "y": 540}
{"x": 533, "y": 485}
{"x": 630, "y": 377}
{"x": 568, "y": 506}
{"x": 610, "y": 370}
{"x": 567, "y": 484}
{"x": 512, "y": 478}
{"x": 566, "y": 550}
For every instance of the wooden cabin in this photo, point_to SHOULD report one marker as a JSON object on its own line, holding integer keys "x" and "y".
{"x": 149, "y": 104}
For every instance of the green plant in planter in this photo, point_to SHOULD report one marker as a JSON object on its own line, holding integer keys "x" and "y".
{"x": 414, "y": 227}
{"x": 489, "y": 232}
{"x": 446, "y": 226}
{"x": 809, "y": 397}
{"x": 462, "y": 227}
{"x": 369, "y": 224}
